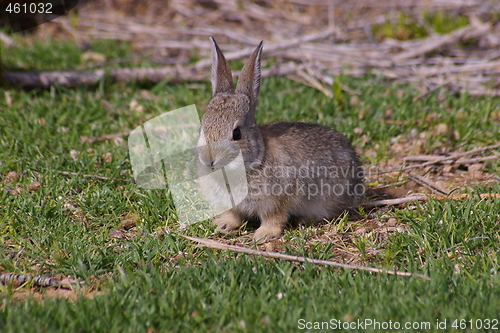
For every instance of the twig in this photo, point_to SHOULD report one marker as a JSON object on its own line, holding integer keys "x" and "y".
{"x": 104, "y": 137}
{"x": 269, "y": 48}
{"x": 477, "y": 159}
{"x": 313, "y": 82}
{"x": 436, "y": 188}
{"x": 423, "y": 71}
{"x": 398, "y": 122}
{"x": 311, "y": 78}
{"x": 390, "y": 185}
{"x": 40, "y": 281}
{"x": 95, "y": 176}
{"x": 211, "y": 31}
{"x": 209, "y": 243}
{"x": 429, "y": 44}
{"x": 452, "y": 157}
{"x": 47, "y": 79}
{"x": 437, "y": 159}
{"x": 422, "y": 158}
{"x": 353, "y": 51}
{"x": 173, "y": 74}
{"x": 427, "y": 92}
{"x": 393, "y": 202}
{"x": 423, "y": 197}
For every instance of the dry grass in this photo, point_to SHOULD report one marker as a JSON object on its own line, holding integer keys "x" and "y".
{"x": 310, "y": 41}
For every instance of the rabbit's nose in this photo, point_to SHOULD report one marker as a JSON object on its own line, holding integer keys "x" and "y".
{"x": 205, "y": 159}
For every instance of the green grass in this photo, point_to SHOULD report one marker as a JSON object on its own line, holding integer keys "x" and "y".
{"x": 410, "y": 27}
{"x": 155, "y": 279}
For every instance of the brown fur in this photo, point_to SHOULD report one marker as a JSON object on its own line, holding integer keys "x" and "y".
{"x": 273, "y": 156}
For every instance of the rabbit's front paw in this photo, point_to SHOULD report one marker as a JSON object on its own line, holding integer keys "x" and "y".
{"x": 227, "y": 222}
{"x": 267, "y": 233}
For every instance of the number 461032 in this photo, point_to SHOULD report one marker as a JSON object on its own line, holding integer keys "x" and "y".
{"x": 488, "y": 324}
{"x": 29, "y": 8}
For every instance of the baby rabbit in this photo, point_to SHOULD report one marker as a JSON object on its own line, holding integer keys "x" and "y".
{"x": 293, "y": 169}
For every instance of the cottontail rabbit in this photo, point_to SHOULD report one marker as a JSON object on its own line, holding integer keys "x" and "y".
{"x": 293, "y": 170}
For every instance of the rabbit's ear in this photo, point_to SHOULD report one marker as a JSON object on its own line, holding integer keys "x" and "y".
{"x": 222, "y": 79}
{"x": 249, "y": 80}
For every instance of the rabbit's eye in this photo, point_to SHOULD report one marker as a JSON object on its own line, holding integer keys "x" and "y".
{"x": 236, "y": 134}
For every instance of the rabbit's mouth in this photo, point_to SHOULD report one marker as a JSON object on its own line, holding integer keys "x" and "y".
{"x": 219, "y": 155}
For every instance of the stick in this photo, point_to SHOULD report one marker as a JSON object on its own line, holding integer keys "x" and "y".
{"x": 40, "y": 281}
{"x": 393, "y": 202}
{"x": 427, "y": 92}
{"x": 437, "y": 159}
{"x": 47, "y": 79}
{"x": 429, "y": 184}
{"x": 209, "y": 243}
{"x": 174, "y": 74}
{"x": 390, "y": 185}
{"x": 477, "y": 159}
{"x": 314, "y": 83}
{"x": 211, "y": 31}
{"x": 460, "y": 70}
{"x": 423, "y": 197}
{"x": 475, "y": 29}
{"x": 95, "y": 176}
{"x": 447, "y": 158}
{"x": 270, "y": 48}
{"x": 424, "y": 158}
{"x": 104, "y": 137}
{"x": 311, "y": 78}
